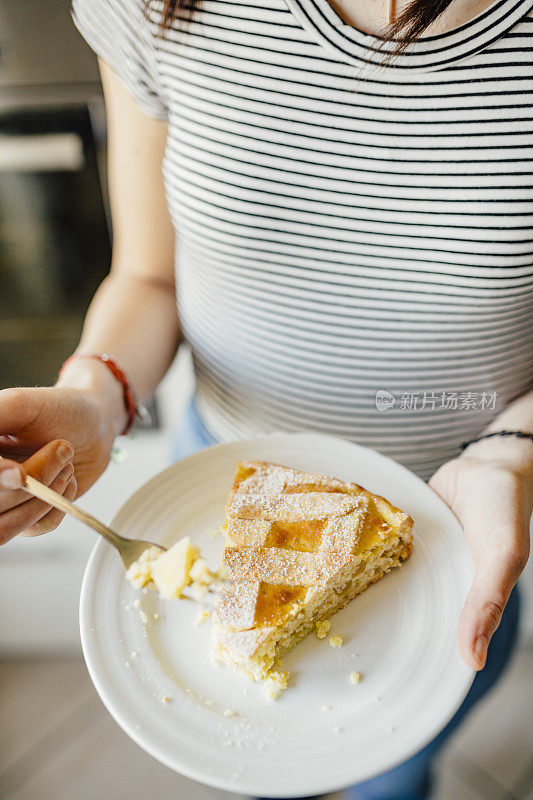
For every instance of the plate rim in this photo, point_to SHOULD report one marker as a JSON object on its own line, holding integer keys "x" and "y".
{"x": 111, "y": 701}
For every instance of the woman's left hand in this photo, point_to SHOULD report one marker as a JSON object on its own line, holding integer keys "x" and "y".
{"x": 490, "y": 490}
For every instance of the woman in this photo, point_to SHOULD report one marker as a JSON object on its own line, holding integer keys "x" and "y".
{"x": 353, "y": 252}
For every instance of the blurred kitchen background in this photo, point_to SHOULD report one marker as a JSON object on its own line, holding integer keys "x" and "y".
{"x": 56, "y": 739}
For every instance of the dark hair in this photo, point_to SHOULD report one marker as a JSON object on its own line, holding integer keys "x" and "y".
{"x": 408, "y": 27}
{"x": 414, "y": 20}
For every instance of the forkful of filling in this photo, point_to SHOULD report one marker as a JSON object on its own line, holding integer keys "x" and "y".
{"x": 147, "y": 564}
{"x": 171, "y": 571}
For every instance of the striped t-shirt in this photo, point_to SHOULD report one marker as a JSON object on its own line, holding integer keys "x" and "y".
{"x": 354, "y": 242}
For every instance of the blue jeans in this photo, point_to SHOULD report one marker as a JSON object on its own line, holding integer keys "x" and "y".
{"x": 412, "y": 779}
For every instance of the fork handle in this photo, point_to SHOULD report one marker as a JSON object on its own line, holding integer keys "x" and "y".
{"x": 56, "y": 500}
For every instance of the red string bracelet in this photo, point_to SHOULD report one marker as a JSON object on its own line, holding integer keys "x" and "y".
{"x": 127, "y": 392}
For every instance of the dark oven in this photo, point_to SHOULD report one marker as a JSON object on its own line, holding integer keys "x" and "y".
{"x": 54, "y": 241}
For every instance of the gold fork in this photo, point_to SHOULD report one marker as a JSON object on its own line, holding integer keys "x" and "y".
{"x": 128, "y": 549}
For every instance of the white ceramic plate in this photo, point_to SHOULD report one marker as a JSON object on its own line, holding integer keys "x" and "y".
{"x": 324, "y": 733}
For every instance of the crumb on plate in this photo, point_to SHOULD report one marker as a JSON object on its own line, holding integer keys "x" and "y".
{"x": 275, "y": 684}
{"x": 202, "y": 615}
{"x": 322, "y": 628}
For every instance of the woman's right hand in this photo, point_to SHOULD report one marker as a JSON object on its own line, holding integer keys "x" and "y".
{"x": 62, "y": 437}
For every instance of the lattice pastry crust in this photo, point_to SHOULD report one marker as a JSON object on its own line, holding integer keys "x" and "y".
{"x": 298, "y": 547}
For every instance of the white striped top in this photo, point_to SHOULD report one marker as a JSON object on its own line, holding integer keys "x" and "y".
{"x": 343, "y": 228}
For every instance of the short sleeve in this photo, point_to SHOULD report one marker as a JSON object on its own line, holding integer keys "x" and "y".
{"x": 119, "y": 32}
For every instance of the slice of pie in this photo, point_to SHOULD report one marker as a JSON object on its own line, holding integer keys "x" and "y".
{"x": 298, "y": 548}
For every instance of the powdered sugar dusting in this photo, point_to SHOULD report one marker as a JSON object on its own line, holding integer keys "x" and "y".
{"x": 235, "y": 608}
{"x": 301, "y": 506}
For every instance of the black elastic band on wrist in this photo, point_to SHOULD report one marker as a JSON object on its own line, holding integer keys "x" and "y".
{"x": 518, "y": 434}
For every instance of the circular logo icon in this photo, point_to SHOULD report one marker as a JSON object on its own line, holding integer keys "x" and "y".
{"x": 384, "y": 400}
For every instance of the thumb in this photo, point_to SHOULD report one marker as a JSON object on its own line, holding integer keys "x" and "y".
{"x": 12, "y": 474}
{"x": 483, "y": 609}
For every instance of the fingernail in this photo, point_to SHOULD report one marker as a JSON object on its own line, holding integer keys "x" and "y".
{"x": 10, "y": 478}
{"x": 480, "y": 650}
{"x": 65, "y": 451}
